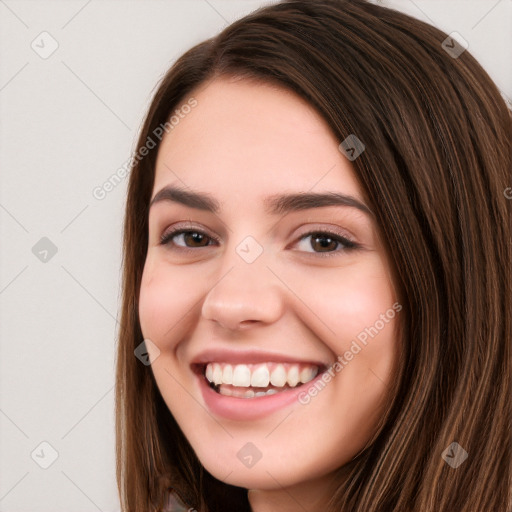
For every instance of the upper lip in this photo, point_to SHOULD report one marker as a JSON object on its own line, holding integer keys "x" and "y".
{"x": 250, "y": 357}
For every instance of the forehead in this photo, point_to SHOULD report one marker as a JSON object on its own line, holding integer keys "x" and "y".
{"x": 252, "y": 138}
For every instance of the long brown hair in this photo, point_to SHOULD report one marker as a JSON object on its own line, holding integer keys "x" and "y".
{"x": 436, "y": 166}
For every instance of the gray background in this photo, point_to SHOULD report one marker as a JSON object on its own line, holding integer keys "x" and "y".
{"x": 68, "y": 122}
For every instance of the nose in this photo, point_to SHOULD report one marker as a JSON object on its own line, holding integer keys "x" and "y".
{"x": 245, "y": 294}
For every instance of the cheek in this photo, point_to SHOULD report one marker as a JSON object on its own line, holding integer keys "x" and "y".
{"x": 359, "y": 314}
{"x": 166, "y": 299}
{"x": 348, "y": 300}
{"x": 365, "y": 317}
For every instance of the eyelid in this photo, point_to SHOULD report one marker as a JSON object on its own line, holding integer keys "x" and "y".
{"x": 341, "y": 236}
{"x": 347, "y": 244}
{"x": 325, "y": 229}
{"x": 178, "y": 229}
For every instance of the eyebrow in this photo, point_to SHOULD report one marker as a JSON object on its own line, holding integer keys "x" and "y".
{"x": 276, "y": 204}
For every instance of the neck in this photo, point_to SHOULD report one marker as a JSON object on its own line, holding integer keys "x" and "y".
{"x": 312, "y": 496}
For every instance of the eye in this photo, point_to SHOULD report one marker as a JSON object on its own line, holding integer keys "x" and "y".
{"x": 186, "y": 238}
{"x": 325, "y": 242}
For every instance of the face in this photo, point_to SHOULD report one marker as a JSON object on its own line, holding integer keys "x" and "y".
{"x": 271, "y": 322}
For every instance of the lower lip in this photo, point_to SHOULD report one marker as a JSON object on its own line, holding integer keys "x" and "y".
{"x": 245, "y": 409}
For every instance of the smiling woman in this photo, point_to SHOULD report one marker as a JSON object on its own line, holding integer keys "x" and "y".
{"x": 306, "y": 266}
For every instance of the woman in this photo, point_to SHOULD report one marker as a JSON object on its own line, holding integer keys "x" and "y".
{"x": 317, "y": 269}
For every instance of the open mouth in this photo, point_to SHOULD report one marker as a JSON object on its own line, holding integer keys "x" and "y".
{"x": 257, "y": 380}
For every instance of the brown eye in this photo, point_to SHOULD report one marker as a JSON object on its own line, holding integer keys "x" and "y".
{"x": 195, "y": 239}
{"x": 186, "y": 238}
{"x": 325, "y": 242}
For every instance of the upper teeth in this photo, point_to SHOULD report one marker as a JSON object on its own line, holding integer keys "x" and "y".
{"x": 260, "y": 375}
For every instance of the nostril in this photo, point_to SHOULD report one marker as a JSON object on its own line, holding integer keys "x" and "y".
{"x": 247, "y": 323}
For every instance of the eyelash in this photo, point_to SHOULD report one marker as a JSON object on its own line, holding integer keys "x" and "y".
{"x": 349, "y": 245}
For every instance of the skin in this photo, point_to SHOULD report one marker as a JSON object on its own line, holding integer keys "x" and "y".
{"x": 242, "y": 142}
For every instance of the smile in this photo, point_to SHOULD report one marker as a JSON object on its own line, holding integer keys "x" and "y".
{"x": 252, "y": 385}
{"x": 257, "y": 380}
